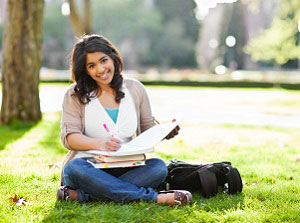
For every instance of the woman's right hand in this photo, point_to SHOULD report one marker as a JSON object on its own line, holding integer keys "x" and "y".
{"x": 110, "y": 144}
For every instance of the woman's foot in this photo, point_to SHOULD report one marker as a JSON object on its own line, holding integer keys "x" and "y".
{"x": 174, "y": 197}
{"x": 64, "y": 193}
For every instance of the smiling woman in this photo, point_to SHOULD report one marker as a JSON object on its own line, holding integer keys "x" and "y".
{"x": 101, "y": 96}
{"x": 96, "y": 66}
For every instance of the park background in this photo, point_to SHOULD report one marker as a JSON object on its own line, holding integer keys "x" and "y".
{"x": 229, "y": 68}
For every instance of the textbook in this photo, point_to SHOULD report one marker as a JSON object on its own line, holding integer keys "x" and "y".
{"x": 143, "y": 143}
{"x": 137, "y": 157}
{"x": 127, "y": 163}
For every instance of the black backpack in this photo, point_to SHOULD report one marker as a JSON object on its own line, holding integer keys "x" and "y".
{"x": 203, "y": 178}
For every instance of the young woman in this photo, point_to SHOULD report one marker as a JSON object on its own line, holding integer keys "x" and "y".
{"x": 100, "y": 94}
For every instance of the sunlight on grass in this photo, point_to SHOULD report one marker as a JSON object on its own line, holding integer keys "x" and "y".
{"x": 33, "y": 150}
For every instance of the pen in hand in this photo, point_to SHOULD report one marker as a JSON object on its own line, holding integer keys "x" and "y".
{"x": 113, "y": 144}
{"x": 107, "y": 130}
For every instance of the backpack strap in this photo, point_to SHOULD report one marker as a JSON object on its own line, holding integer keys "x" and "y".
{"x": 234, "y": 181}
{"x": 228, "y": 177}
{"x": 208, "y": 180}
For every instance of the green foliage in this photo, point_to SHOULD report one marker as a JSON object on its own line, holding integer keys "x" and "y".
{"x": 175, "y": 44}
{"x": 127, "y": 21}
{"x": 233, "y": 24}
{"x": 55, "y": 25}
{"x": 163, "y": 34}
{"x": 279, "y": 43}
{"x": 119, "y": 20}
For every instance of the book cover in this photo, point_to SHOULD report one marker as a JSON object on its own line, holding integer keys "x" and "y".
{"x": 127, "y": 163}
{"x": 136, "y": 157}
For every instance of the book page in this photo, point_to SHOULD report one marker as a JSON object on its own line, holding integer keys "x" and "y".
{"x": 151, "y": 137}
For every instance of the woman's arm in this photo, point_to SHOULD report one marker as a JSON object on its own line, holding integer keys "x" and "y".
{"x": 72, "y": 127}
{"x": 78, "y": 141}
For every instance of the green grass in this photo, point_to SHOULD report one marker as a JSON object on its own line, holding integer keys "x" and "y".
{"x": 267, "y": 158}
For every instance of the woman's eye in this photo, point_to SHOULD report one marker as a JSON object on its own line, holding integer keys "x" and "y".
{"x": 103, "y": 61}
{"x": 91, "y": 66}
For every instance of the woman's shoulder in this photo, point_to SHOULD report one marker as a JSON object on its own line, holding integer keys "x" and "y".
{"x": 70, "y": 90}
{"x": 70, "y": 96}
{"x": 136, "y": 88}
{"x": 133, "y": 83}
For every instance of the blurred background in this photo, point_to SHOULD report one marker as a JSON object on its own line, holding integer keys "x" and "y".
{"x": 175, "y": 40}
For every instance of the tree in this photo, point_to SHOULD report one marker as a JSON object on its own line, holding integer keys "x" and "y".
{"x": 174, "y": 46}
{"x": 81, "y": 25}
{"x": 279, "y": 43}
{"x": 130, "y": 24}
{"x": 22, "y": 45}
{"x": 233, "y": 24}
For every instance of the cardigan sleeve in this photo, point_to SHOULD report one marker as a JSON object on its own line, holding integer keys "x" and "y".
{"x": 146, "y": 118}
{"x": 71, "y": 121}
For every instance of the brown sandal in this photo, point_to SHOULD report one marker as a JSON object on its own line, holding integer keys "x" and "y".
{"x": 181, "y": 197}
{"x": 63, "y": 194}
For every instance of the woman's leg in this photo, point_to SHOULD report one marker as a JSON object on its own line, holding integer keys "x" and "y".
{"x": 150, "y": 175}
{"x": 94, "y": 184}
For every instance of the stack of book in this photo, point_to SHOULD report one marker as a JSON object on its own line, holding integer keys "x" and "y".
{"x": 103, "y": 161}
{"x": 132, "y": 153}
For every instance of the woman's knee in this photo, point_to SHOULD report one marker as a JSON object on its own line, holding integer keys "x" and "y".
{"x": 159, "y": 168}
{"x": 74, "y": 167}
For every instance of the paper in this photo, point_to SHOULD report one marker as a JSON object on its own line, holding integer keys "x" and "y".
{"x": 144, "y": 143}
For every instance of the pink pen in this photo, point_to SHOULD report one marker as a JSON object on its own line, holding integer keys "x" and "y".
{"x": 107, "y": 130}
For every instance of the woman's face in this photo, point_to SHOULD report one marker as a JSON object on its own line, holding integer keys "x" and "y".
{"x": 100, "y": 67}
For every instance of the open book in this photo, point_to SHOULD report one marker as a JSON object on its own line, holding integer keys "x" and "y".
{"x": 143, "y": 143}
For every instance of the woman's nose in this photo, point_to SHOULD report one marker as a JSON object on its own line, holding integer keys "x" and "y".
{"x": 100, "y": 68}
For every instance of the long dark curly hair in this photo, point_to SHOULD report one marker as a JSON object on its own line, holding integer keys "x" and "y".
{"x": 85, "y": 85}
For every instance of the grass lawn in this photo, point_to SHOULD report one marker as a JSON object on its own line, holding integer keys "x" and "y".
{"x": 268, "y": 159}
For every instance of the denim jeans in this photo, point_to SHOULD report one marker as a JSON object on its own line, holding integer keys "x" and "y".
{"x": 117, "y": 184}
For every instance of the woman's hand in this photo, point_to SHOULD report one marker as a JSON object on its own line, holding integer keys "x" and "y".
{"x": 110, "y": 144}
{"x": 174, "y": 132}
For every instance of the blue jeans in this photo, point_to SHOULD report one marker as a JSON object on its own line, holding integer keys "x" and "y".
{"x": 117, "y": 184}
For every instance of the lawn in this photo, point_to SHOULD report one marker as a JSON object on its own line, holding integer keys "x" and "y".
{"x": 268, "y": 159}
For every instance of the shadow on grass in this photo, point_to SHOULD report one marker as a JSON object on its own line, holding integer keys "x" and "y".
{"x": 210, "y": 209}
{"x": 51, "y": 140}
{"x": 12, "y": 132}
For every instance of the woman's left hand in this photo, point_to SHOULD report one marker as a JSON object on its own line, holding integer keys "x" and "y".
{"x": 173, "y": 133}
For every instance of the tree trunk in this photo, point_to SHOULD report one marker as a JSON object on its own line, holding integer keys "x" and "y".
{"x": 81, "y": 25}
{"x": 22, "y": 52}
{"x": 87, "y": 17}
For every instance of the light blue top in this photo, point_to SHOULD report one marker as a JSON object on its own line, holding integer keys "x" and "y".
{"x": 113, "y": 113}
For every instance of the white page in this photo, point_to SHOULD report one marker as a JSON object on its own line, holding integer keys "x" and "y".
{"x": 144, "y": 143}
{"x": 151, "y": 137}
